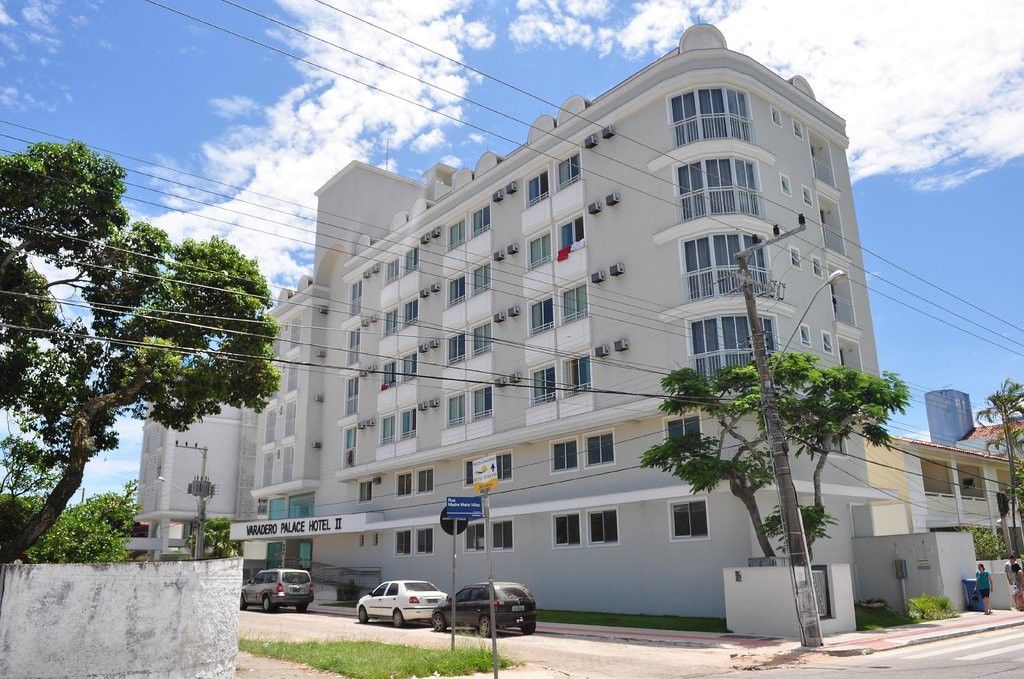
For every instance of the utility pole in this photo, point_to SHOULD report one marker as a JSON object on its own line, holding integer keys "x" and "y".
{"x": 1011, "y": 453}
{"x": 789, "y": 508}
{"x": 202, "y": 489}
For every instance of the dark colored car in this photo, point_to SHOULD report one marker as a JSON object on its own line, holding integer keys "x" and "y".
{"x": 278, "y": 587}
{"x": 514, "y": 606}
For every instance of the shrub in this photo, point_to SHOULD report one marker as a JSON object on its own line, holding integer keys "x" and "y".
{"x": 348, "y": 591}
{"x": 931, "y": 607}
{"x": 988, "y": 545}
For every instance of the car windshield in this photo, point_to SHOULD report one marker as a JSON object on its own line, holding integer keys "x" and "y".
{"x": 295, "y": 578}
{"x": 420, "y": 587}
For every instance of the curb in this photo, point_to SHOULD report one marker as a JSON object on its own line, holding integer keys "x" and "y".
{"x": 953, "y": 634}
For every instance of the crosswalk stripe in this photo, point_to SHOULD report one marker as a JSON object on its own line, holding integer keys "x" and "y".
{"x": 988, "y": 654}
{"x": 954, "y": 645}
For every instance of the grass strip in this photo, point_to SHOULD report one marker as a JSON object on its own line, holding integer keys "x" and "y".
{"x": 664, "y": 622}
{"x": 880, "y": 618}
{"x": 374, "y": 659}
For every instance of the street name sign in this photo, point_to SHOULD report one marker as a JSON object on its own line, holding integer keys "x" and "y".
{"x": 275, "y": 529}
{"x": 469, "y": 508}
{"x": 485, "y": 474}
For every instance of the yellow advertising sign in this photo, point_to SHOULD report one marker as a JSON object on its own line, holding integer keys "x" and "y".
{"x": 485, "y": 474}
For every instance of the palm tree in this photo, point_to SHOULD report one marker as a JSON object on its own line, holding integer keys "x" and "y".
{"x": 997, "y": 446}
{"x": 217, "y": 540}
{"x": 1006, "y": 407}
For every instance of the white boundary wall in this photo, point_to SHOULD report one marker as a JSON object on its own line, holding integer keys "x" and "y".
{"x": 130, "y": 621}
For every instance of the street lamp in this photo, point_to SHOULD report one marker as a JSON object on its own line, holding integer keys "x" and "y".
{"x": 832, "y": 278}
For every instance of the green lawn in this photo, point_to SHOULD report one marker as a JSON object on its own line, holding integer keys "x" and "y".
{"x": 667, "y": 622}
{"x": 878, "y": 618}
{"x": 376, "y": 660}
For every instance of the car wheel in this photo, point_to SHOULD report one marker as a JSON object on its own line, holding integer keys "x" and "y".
{"x": 528, "y": 627}
{"x": 397, "y": 619}
{"x": 268, "y": 605}
{"x": 437, "y": 620}
{"x": 242, "y": 603}
{"x": 301, "y": 608}
{"x": 362, "y": 615}
{"x": 484, "y": 626}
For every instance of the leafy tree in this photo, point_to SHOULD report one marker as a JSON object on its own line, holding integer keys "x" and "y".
{"x": 1006, "y": 408}
{"x": 217, "y": 539}
{"x": 64, "y": 234}
{"x": 988, "y": 545}
{"x": 820, "y": 408}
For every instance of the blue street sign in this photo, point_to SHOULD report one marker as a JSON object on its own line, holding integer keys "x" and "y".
{"x": 468, "y": 508}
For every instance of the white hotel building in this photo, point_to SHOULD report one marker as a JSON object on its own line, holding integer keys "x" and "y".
{"x": 560, "y": 265}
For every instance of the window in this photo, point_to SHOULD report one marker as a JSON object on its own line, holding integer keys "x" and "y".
{"x": 710, "y": 114}
{"x": 475, "y": 537}
{"x": 567, "y": 530}
{"x": 289, "y": 419}
{"x": 482, "y": 220}
{"x": 389, "y": 377}
{"x": 300, "y": 506}
{"x": 403, "y": 484}
{"x": 785, "y": 185}
{"x": 408, "y": 423}
{"x": 469, "y": 472}
{"x": 365, "y": 491}
{"x": 501, "y": 532}
{"x": 571, "y": 232}
{"x": 776, "y": 116}
{"x": 542, "y": 316}
{"x": 412, "y": 312}
{"x": 457, "y": 234}
{"x": 481, "y": 339}
{"x": 826, "y": 342}
{"x": 456, "y": 291}
{"x": 403, "y": 544}
{"x": 356, "y": 298}
{"x": 731, "y": 187}
{"x": 732, "y": 348}
{"x": 412, "y": 260}
{"x": 394, "y": 270}
{"x": 409, "y": 364}
{"x": 349, "y": 446}
{"x": 387, "y": 430}
{"x": 293, "y": 378}
{"x": 543, "y": 385}
{"x": 481, "y": 279}
{"x": 819, "y": 271}
{"x": 457, "y": 411}
{"x": 391, "y": 322}
{"x": 504, "y": 461}
{"x": 362, "y": 540}
{"x": 425, "y": 481}
{"x": 483, "y": 403}
{"x": 684, "y": 426}
{"x": 798, "y": 130}
{"x": 564, "y": 456}
{"x": 709, "y": 259}
{"x": 577, "y": 373}
{"x": 271, "y": 431}
{"x": 794, "y": 258}
{"x": 600, "y": 449}
{"x": 424, "y": 540}
{"x": 268, "y": 469}
{"x": 604, "y": 527}
{"x": 351, "y": 396}
{"x": 569, "y": 171}
{"x": 689, "y": 520}
{"x": 456, "y": 348}
{"x": 805, "y": 335}
{"x": 537, "y": 188}
{"x": 807, "y": 196}
{"x": 353, "y": 346}
{"x": 278, "y": 508}
{"x": 540, "y": 251}
{"x": 574, "y": 304}
{"x": 295, "y": 335}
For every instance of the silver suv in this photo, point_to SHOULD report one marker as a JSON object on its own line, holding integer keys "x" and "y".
{"x": 277, "y": 587}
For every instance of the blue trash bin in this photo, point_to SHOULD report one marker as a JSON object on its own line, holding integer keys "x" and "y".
{"x": 970, "y": 587}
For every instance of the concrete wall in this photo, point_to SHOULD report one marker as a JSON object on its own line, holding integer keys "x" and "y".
{"x": 132, "y": 620}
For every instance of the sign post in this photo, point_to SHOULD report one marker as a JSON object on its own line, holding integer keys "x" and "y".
{"x": 485, "y": 479}
{"x": 453, "y": 525}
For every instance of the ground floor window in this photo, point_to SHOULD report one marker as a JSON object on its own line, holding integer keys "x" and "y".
{"x": 475, "y": 537}
{"x": 604, "y": 527}
{"x": 690, "y": 519}
{"x": 502, "y": 535}
{"x": 567, "y": 530}
{"x": 425, "y": 541}
{"x": 403, "y": 542}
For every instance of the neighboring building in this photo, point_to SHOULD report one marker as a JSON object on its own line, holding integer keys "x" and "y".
{"x": 540, "y": 269}
{"x": 167, "y": 507}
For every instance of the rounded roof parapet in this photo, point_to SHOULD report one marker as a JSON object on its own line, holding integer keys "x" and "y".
{"x": 400, "y": 218}
{"x": 540, "y": 128}
{"x": 488, "y": 161}
{"x": 571, "y": 107}
{"x": 702, "y": 37}
{"x": 800, "y": 82}
{"x": 419, "y": 206}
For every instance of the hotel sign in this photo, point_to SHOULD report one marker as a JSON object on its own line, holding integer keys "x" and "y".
{"x": 280, "y": 529}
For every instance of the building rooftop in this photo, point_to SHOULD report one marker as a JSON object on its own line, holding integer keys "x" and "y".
{"x": 952, "y": 449}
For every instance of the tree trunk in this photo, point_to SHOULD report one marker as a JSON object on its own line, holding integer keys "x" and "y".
{"x": 746, "y": 496}
{"x": 818, "y": 502}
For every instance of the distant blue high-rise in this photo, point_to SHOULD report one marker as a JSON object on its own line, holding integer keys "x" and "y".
{"x": 950, "y": 416}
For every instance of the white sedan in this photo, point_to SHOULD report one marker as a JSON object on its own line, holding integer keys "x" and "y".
{"x": 400, "y": 600}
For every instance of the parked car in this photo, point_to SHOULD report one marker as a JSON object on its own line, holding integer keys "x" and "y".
{"x": 400, "y": 600}
{"x": 277, "y": 587}
{"x": 514, "y": 606}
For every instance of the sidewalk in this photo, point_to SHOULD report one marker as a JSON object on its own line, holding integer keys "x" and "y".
{"x": 860, "y": 643}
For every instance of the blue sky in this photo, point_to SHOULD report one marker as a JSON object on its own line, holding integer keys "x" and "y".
{"x": 934, "y": 105}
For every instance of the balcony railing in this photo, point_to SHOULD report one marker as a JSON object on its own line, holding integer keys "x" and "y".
{"x": 712, "y": 126}
{"x": 719, "y": 201}
{"x": 844, "y": 311}
{"x": 833, "y": 238}
{"x": 718, "y": 281}
{"x": 712, "y": 362}
{"x": 823, "y": 171}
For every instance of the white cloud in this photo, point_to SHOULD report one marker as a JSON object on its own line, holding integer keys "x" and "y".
{"x": 428, "y": 141}
{"x": 5, "y": 18}
{"x": 938, "y": 93}
{"x": 453, "y": 161}
{"x": 234, "y": 107}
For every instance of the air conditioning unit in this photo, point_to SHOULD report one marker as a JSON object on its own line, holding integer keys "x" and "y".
{"x": 373, "y": 318}
{"x": 501, "y": 382}
{"x": 434, "y": 402}
{"x": 498, "y": 196}
{"x": 424, "y": 348}
{"x": 435, "y": 232}
{"x": 435, "y": 343}
{"x": 499, "y": 317}
{"x": 608, "y": 131}
{"x": 362, "y": 425}
{"x": 511, "y": 188}
{"x": 515, "y": 378}
{"x": 602, "y": 350}
{"x": 422, "y": 405}
{"x": 435, "y": 287}
{"x": 622, "y": 344}
{"x": 590, "y": 142}
{"x": 617, "y": 269}
{"x": 321, "y": 353}
{"x": 597, "y": 277}
{"x": 367, "y": 274}
{"x": 318, "y": 444}
{"x": 365, "y": 322}
{"x": 513, "y": 311}
{"x": 376, "y": 480}
{"x": 425, "y": 292}
{"x": 498, "y": 255}
{"x": 365, "y": 372}
{"x": 319, "y": 398}
{"x": 594, "y": 207}
{"x": 424, "y": 239}
{"x": 324, "y": 309}
{"x": 612, "y": 198}
{"x": 512, "y": 248}
{"x": 375, "y": 268}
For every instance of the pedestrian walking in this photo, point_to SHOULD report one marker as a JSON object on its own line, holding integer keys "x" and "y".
{"x": 1018, "y": 587}
{"x": 1011, "y": 579}
{"x": 984, "y": 584}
